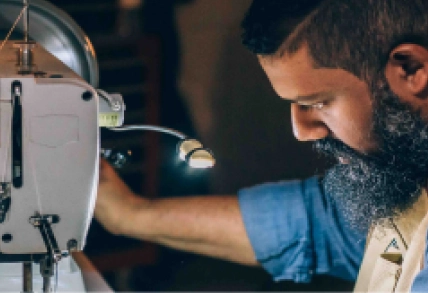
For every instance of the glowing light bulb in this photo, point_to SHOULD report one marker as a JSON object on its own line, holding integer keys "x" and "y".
{"x": 201, "y": 159}
{"x": 193, "y": 152}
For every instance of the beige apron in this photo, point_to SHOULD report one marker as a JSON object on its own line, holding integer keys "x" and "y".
{"x": 394, "y": 254}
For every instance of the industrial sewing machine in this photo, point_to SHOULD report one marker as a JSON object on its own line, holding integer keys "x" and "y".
{"x": 50, "y": 114}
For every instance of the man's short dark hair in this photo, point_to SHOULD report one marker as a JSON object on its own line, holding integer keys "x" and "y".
{"x": 355, "y": 35}
{"x": 269, "y": 22}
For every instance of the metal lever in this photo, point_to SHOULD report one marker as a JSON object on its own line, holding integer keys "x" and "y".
{"x": 43, "y": 222}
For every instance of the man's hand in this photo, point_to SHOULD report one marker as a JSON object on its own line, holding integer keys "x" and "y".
{"x": 115, "y": 202}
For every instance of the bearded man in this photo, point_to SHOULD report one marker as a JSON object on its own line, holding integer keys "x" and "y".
{"x": 356, "y": 74}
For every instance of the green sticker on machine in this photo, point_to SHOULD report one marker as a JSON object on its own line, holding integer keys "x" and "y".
{"x": 108, "y": 119}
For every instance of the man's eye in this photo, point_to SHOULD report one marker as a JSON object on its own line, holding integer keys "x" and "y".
{"x": 315, "y": 106}
{"x": 318, "y": 106}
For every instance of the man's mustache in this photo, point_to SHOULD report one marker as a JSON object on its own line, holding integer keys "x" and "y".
{"x": 336, "y": 148}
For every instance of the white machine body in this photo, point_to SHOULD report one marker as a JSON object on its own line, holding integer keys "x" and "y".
{"x": 60, "y": 153}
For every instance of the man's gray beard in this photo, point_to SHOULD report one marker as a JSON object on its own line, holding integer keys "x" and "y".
{"x": 380, "y": 186}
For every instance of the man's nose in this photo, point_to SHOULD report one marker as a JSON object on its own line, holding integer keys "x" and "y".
{"x": 307, "y": 125}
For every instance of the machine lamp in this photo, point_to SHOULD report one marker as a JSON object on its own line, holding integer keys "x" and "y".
{"x": 193, "y": 152}
{"x": 189, "y": 150}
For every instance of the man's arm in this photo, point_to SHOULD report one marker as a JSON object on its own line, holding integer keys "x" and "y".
{"x": 209, "y": 225}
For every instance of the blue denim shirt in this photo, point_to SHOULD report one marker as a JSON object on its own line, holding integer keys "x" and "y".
{"x": 296, "y": 231}
{"x": 420, "y": 284}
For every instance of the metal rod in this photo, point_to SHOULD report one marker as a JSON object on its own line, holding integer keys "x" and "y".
{"x": 155, "y": 128}
{"x": 26, "y": 20}
{"x": 46, "y": 271}
{"x": 27, "y": 277}
{"x": 47, "y": 284}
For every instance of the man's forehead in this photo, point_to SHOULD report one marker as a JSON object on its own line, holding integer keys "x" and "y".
{"x": 294, "y": 75}
{"x": 301, "y": 57}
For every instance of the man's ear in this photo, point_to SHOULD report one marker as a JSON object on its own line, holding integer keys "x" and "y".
{"x": 407, "y": 71}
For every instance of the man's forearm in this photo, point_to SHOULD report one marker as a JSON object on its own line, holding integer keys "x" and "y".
{"x": 209, "y": 225}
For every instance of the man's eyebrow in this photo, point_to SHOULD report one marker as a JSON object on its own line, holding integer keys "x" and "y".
{"x": 308, "y": 98}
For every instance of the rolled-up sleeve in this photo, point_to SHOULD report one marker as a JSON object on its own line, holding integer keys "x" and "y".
{"x": 296, "y": 231}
